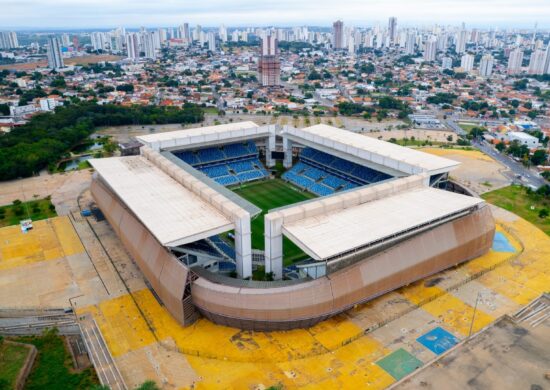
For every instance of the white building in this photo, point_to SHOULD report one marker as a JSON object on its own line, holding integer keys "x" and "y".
{"x": 461, "y": 41}
{"x": 430, "y": 49}
{"x": 8, "y": 40}
{"x": 486, "y": 65}
{"x": 55, "y": 60}
{"x": 132, "y": 46}
{"x": 447, "y": 63}
{"x": 514, "y": 61}
{"x": 467, "y": 62}
{"x": 524, "y": 139}
{"x": 48, "y": 104}
{"x": 211, "y": 41}
{"x": 537, "y": 62}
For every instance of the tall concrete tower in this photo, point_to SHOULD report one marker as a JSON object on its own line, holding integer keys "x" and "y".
{"x": 269, "y": 66}
{"x": 338, "y": 35}
{"x": 55, "y": 60}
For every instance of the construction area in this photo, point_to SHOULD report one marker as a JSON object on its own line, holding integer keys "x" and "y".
{"x": 416, "y": 336}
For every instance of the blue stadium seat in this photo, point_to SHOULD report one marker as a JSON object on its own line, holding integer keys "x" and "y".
{"x": 210, "y": 154}
{"x": 314, "y": 173}
{"x": 250, "y": 175}
{"x": 227, "y": 180}
{"x": 216, "y": 170}
{"x": 187, "y": 156}
{"x": 334, "y": 182}
{"x": 224, "y": 246}
{"x": 236, "y": 150}
{"x": 241, "y": 166}
{"x": 321, "y": 190}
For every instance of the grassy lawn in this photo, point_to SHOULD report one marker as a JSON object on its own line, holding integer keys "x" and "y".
{"x": 210, "y": 110}
{"x": 34, "y": 209}
{"x": 268, "y": 195}
{"x": 53, "y": 366}
{"x": 12, "y": 358}
{"x": 527, "y": 206}
{"x": 467, "y": 127}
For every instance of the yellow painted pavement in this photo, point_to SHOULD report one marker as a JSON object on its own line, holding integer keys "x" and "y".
{"x": 122, "y": 325}
{"x": 317, "y": 358}
{"x": 475, "y": 154}
{"x": 48, "y": 240}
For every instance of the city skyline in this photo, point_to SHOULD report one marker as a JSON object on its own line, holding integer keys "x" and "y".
{"x": 49, "y": 14}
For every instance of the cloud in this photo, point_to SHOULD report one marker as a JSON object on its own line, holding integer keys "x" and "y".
{"x": 133, "y": 13}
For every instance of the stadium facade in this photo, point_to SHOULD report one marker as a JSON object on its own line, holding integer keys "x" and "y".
{"x": 382, "y": 219}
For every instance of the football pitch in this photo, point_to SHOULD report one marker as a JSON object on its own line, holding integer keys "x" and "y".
{"x": 268, "y": 195}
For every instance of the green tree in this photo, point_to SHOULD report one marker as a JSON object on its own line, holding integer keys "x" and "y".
{"x": 539, "y": 157}
{"x": 148, "y": 385}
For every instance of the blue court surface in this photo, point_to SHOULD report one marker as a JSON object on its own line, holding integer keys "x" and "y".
{"x": 501, "y": 243}
{"x": 438, "y": 340}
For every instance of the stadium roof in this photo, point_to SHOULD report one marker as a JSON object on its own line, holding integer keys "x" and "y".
{"x": 328, "y": 235}
{"x": 202, "y": 135}
{"x": 371, "y": 149}
{"x": 172, "y": 213}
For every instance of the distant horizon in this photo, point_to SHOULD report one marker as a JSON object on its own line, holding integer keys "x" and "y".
{"x": 48, "y": 15}
{"x": 50, "y": 29}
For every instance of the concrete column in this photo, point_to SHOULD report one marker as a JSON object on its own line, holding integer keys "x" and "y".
{"x": 270, "y": 148}
{"x": 243, "y": 246}
{"x": 273, "y": 246}
{"x": 287, "y": 148}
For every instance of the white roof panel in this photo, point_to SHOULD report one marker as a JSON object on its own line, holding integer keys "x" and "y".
{"x": 178, "y": 137}
{"x": 328, "y": 235}
{"x": 172, "y": 213}
{"x": 382, "y": 152}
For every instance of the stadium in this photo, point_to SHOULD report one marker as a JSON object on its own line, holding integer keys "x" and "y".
{"x": 273, "y": 228}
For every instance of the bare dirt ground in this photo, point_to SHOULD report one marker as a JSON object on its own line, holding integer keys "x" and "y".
{"x": 125, "y": 133}
{"x": 477, "y": 171}
{"x": 418, "y": 134}
{"x": 64, "y": 189}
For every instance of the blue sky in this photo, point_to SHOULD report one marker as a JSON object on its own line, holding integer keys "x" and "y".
{"x": 134, "y": 13}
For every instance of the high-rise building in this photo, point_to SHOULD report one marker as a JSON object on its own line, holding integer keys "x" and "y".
{"x": 410, "y": 42}
{"x": 547, "y": 60}
{"x": 211, "y": 41}
{"x": 430, "y": 49}
{"x": 486, "y": 65}
{"x": 55, "y": 60}
{"x": 467, "y": 62}
{"x": 132, "y": 46}
{"x": 351, "y": 45}
{"x": 8, "y": 40}
{"x": 269, "y": 65}
{"x": 514, "y": 61}
{"x": 392, "y": 29}
{"x": 447, "y": 63}
{"x": 148, "y": 44}
{"x": 223, "y": 33}
{"x": 197, "y": 33}
{"x": 536, "y": 62}
{"x": 100, "y": 41}
{"x": 461, "y": 41}
{"x": 338, "y": 35}
{"x": 65, "y": 40}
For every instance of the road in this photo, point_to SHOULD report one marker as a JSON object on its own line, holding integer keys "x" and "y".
{"x": 528, "y": 177}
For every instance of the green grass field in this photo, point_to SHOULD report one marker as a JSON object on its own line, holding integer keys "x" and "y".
{"x": 269, "y": 195}
{"x": 467, "y": 127}
{"x": 53, "y": 368}
{"x": 527, "y": 206}
{"x": 12, "y": 358}
{"x": 35, "y": 210}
